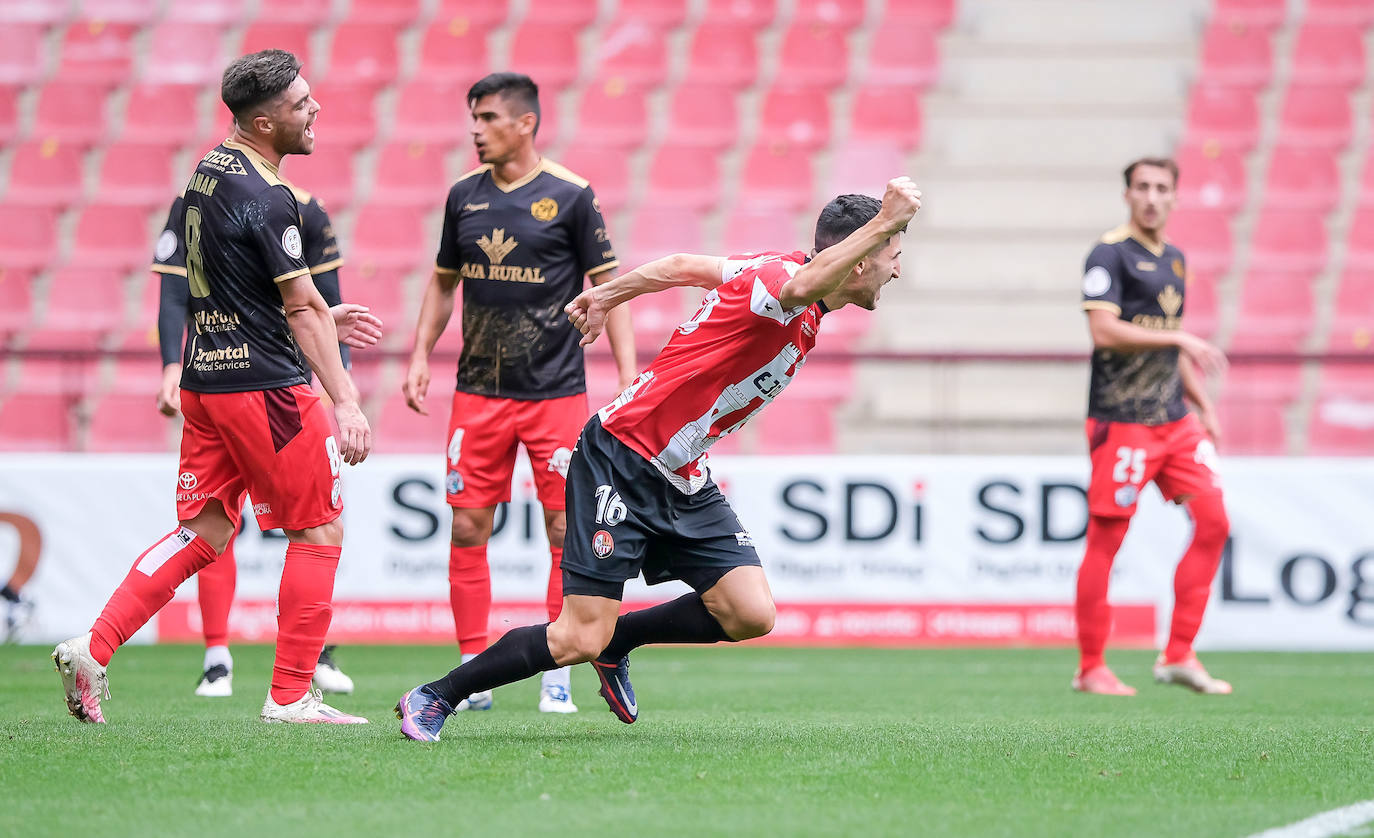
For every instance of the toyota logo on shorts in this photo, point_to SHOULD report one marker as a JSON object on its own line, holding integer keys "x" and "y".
{"x": 187, "y": 480}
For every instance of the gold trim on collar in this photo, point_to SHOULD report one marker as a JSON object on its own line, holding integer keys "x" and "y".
{"x": 267, "y": 170}
{"x": 516, "y": 184}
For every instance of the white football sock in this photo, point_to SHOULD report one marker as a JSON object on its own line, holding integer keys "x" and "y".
{"x": 219, "y": 656}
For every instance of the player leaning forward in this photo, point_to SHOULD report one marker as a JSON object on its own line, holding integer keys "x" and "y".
{"x": 640, "y": 496}
{"x": 253, "y": 425}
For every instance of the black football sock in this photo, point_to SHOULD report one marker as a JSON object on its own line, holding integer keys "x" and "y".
{"x": 519, "y": 654}
{"x": 684, "y": 620}
{"x": 9, "y": 593}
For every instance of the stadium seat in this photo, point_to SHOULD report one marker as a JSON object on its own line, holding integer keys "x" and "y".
{"x": 85, "y": 306}
{"x": 97, "y": 51}
{"x": 23, "y": 59}
{"x": 753, "y": 14}
{"x": 269, "y": 33}
{"x": 114, "y": 236}
{"x": 795, "y": 425}
{"x": 366, "y": 372}
{"x": 1352, "y": 321}
{"x": 16, "y": 293}
{"x": 754, "y": 229}
{"x": 934, "y": 14}
{"x": 141, "y": 12}
{"x": 778, "y": 174}
{"x": 72, "y": 376}
{"x": 390, "y": 238}
{"x": 1200, "y": 312}
{"x": 1356, "y": 13}
{"x": 31, "y": 12}
{"x": 863, "y": 167}
{"x": 186, "y": 53}
{"x": 704, "y": 115}
{"x": 799, "y": 116}
{"x": 9, "y": 114}
{"x": 210, "y": 11}
{"x": 399, "y": 430}
{"x": 886, "y": 115}
{"x": 28, "y": 238}
{"x": 1302, "y": 179}
{"x": 71, "y": 112}
{"x": 383, "y": 291}
{"x": 140, "y": 330}
{"x": 609, "y": 174}
{"x": 45, "y": 173}
{"x": 1328, "y": 56}
{"x": 1263, "y": 14}
{"x": 1222, "y": 117}
{"x": 410, "y": 174}
{"x": 576, "y": 13}
{"x": 310, "y": 12}
{"x": 661, "y": 231}
{"x": 1210, "y": 178}
{"x": 327, "y": 173}
{"x": 1315, "y": 117}
{"x": 1342, "y": 422}
{"x": 136, "y": 375}
{"x": 454, "y": 51}
{"x": 1237, "y": 56}
{"x": 1359, "y": 246}
{"x": 1275, "y": 312}
{"x": 612, "y": 115}
{"x": 486, "y": 15}
{"x": 1252, "y": 407}
{"x": 1205, "y": 238}
{"x": 429, "y": 111}
{"x": 723, "y": 54}
{"x": 845, "y": 16}
{"x": 348, "y": 113}
{"x": 36, "y": 422}
{"x": 138, "y": 175}
{"x": 162, "y": 114}
{"x": 814, "y": 55}
{"x": 130, "y": 422}
{"x": 661, "y": 15}
{"x": 548, "y": 53}
{"x": 363, "y": 54}
{"x": 397, "y": 13}
{"x": 632, "y": 57}
{"x": 904, "y": 52}
{"x": 684, "y": 176}
{"x": 1288, "y": 240}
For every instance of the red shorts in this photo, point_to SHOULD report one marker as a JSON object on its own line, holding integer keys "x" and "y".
{"x": 482, "y": 436}
{"x": 277, "y": 446}
{"x": 1177, "y": 456}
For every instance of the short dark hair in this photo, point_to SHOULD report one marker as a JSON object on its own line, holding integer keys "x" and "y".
{"x": 257, "y": 78}
{"x": 1161, "y": 162}
{"x": 843, "y": 216}
{"x": 517, "y": 88}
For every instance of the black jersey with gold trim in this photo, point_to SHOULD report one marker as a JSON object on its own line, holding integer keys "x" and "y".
{"x": 1143, "y": 286}
{"x": 521, "y": 251}
{"x": 241, "y": 233}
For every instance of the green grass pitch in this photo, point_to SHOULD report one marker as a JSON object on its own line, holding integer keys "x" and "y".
{"x": 730, "y": 741}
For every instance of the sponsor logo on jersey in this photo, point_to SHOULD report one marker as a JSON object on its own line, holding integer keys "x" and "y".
{"x": 454, "y": 483}
{"x": 744, "y": 539}
{"x": 1126, "y": 495}
{"x": 559, "y": 462}
{"x": 209, "y": 322}
{"x": 497, "y": 246}
{"x": 166, "y": 246}
{"x": 187, "y": 481}
{"x": 502, "y": 273}
{"x": 291, "y": 242}
{"x": 218, "y": 360}
{"x": 544, "y": 209}
{"x": 1096, "y": 282}
{"x": 476, "y": 207}
{"x": 1170, "y": 300}
{"x": 262, "y": 509}
{"x": 1145, "y": 266}
{"x": 223, "y": 161}
{"x": 602, "y": 544}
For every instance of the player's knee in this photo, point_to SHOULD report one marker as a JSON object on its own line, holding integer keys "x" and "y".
{"x": 469, "y": 530}
{"x": 330, "y": 533}
{"x": 578, "y": 642}
{"x": 1210, "y": 521}
{"x": 556, "y": 526}
{"x": 752, "y": 620}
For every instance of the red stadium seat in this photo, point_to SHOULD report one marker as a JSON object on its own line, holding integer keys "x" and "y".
{"x": 140, "y": 331}
{"x": 754, "y": 14}
{"x": 935, "y": 14}
{"x": 137, "y": 375}
{"x": 609, "y": 174}
{"x": 778, "y": 174}
{"x": 71, "y": 376}
{"x": 723, "y": 54}
{"x": 632, "y": 56}
{"x": 485, "y": 15}
{"x": 383, "y": 291}
{"x": 1359, "y": 246}
{"x": 1210, "y": 178}
{"x": 864, "y": 168}
{"x": 43, "y": 12}
{"x": 71, "y": 112}
{"x": 1205, "y": 238}
{"x": 9, "y": 114}
{"x": 97, "y": 51}
{"x": 85, "y": 306}
{"x": 28, "y": 238}
{"x": 348, "y": 113}
{"x": 209, "y": 11}
{"x": 390, "y": 238}
{"x": 704, "y": 115}
{"x": 1352, "y": 322}
{"x": 1357, "y": 13}
{"x": 114, "y": 236}
{"x": 799, "y": 116}
{"x": 657, "y": 14}
{"x": 684, "y": 176}
{"x": 310, "y": 12}
{"x": 1200, "y": 305}
{"x": 138, "y": 175}
{"x": 814, "y": 55}
{"x": 576, "y": 13}
{"x": 141, "y": 12}
{"x": 661, "y": 231}
{"x": 1331, "y": 56}
{"x": 655, "y": 316}
{"x": 612, "y": 115}
{"x": 904, "y": 53}
{"x": 1253, "y": 407}
{"x": 328, "y": 173}
{"x": 1264, "y": 14}
{"x": 16, "y": 293}
{"x": 363, "y": 54}
{"x": 1237, "y": 56}
{"x": 186, "y": 53}
{"x": 23, "y": 59}
{"x": 846, "y": 16}
{"x": 410, "y": 174}
{"x": 398, "y": 13}
{"x": 130, "y": 422}
{"x": 294, "y": 37}
{"x": 162, "y": 114}
{"x": 36, "y": 422}
{"x": 1275, "y": 313}
{"x": 548, "y": 53}
{"x": 1302, "y": 179}
{"x": 454, "y": 51}
{"x": 1342, "y": 421}
{"x": 1222, "y": 117}
{"x": 1315, "y": 117}
{"x": 1288, "y": 240}
{"x": 45, "y": 173}
{"x": 429, "y": 111}
{"x": 888, "y": 115}
{"x": 755, "y": 229}
{"x": 399, "y": 430}
{"x": 795, "y": 425}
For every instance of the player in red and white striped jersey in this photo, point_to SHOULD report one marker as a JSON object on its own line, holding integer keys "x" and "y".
{"x": 640, "y": 498}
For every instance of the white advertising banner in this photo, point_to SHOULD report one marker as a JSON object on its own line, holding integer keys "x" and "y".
{"x": 859, "y": 550}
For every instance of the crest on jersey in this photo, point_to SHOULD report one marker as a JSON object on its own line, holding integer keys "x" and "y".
{"x": 166, "y": 245}
{"x": 1170, "y": 300}
{"x": 603, "y": 544}
{"x": 1096, "y": 282}
{"x": 291, "y": 242}
{"x": 1126, "y": 495}
{"x": 497, "y": 246}
{"x": 544, "y": 209}
{"x": 1178, "y": 268}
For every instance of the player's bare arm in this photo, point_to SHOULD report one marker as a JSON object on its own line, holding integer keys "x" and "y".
{"x": 315, "y": 333}
{"x": 620, "y": 332}
{"x": 824, "y": 273}
{"x": 435, "y": 310}
{"x": 1111, "y": 332}
{"x": 1195, "y": 390}
{"x": 589, "y": 311}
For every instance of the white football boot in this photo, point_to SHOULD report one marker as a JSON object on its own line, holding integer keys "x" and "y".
{"x": 83, "y": 680}
{"x": 555, "y": 692}
{"x": 328, "y": 677}
{"x": 1190, "y": 673}
{"x": 216, "y": 682}
{"x": 476, "y": 701}
{"x": 308, "y": 709}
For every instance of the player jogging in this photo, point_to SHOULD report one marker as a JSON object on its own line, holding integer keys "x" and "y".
{"x": 253, "y": 425}
{"x": 640, "y": 495}
{"x": 521, "y": 232}
{"x": 1139, "y": 429}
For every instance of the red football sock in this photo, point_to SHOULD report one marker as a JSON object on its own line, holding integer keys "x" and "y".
{"x": 1093, "y": 611}
{"x": 469, "y": 594}
{"x": 150, "y": 585}
{"x": 1193, "y": 578}
{"x": 215, "y": 591}
{"x": 304, "y": 608}
{"x": 554, "y": 598}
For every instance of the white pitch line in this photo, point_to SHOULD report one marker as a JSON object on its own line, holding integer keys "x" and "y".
{"x": 1326, "y": 824}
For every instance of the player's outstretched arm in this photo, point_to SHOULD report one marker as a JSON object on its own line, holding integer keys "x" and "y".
{"x": 824, "y": 273}
{"x": 1109, "y": 331}
{"x": 315, "y": 333}
{"x": 588, "y": 312}
{"x": 435, "y": 310}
